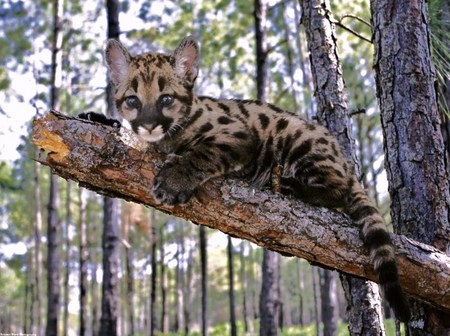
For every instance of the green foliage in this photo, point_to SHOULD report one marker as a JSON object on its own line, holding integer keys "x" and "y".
{"x": 440, "y": 48}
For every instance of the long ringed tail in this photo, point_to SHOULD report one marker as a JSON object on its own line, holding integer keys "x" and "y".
{"x": 376, "y": 238}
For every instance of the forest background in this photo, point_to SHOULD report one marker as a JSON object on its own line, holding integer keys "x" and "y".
{"x": 150, "y": 240}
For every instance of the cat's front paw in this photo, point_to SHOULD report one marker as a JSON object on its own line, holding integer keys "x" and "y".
{"x": 100, "y": 118}
{"x": 171, "y": 187}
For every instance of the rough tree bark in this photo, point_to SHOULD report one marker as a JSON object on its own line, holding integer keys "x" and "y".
{"x": 116, "y": 163}
{"x": 363, "y": 300}
{"x": 415, "y": 154}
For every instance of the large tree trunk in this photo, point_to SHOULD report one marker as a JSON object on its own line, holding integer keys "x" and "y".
{"x": 84, "y": 152}
{"x": 415, "y": 153}
{"x": 333, "y": 113}
{"x": 53, "y": 232}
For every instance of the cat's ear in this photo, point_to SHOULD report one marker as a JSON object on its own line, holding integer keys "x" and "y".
{"x": 118, "y": 60}
{"x": 186, "y": 57}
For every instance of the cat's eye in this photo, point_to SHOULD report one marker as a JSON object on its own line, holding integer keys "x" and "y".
{"x": 166, "y": 100}
{"x": 133, "y": 102}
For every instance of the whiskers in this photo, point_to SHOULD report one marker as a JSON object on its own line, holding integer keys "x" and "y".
{"x": 174, "y": 129}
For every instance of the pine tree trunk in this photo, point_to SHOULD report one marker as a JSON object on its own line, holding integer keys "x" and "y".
{"x": 164, "y": 290}
{"x": 154, "y": 274}
{"x": 204, "y": 279}
{"x": 269, "y": 300}
{"x": 93, "y": 260}
{"x": 179, "y": 322}
{"x": 189, "y": 290}
{"x": 37, "y": 251}
{"x": 232, "y": 302}
{"x": 110, "y": 283}
{"x": 414, "y": 149}
{"x": 83, "y": 281}
{"x": 53, "y": 232}
{"x": 316, "y": 298}
{"x": 328, "y": 293}
{"x": 244, "y": 282}
{"x": 301, "y": 287}
{"x": 67, "y": 260}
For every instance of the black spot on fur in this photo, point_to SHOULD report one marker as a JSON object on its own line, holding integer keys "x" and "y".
{"x": 264, "y": 120}
{"x": 197, "y": 114}
{"x": 300, "y": 151}
{"x": 206, "y": 127}
{"x": 224, "y": 107}
{"x": 322, "y": 141}
{"x": 282, "y": 124}
{"x": 223, "y": 120}
{"x": 243, "y": 109}
{"x": 240, "y": 135}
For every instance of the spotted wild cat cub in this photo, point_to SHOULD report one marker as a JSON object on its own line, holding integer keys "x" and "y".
{"x": 207, "y": 137}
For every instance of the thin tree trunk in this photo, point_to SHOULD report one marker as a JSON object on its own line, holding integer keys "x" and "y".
{"x": 232, "y": 302}
{"x": 67, "y": 261}
{"x": 37, "y": 251}
{"x": 95, "y": 325}
{"x": 28, "y": 297}
{"x": 179, "y": 323}
{"x": 301, "y": 288}
{"x": 53, "y": 232}
{"x": 110, "y": 283}
{"x": 316, "y": 296}
{"x": 152, "y": 317}
{"x": 328, "y": 293}
{"x": 83, "y": 282}
{"x": 415, "y": 157}
{"x": 269, "y": 300}
{"x": 244, "y": 283}
{"x": 110, "y": 242}
{"x": 128, "y": 245}
{"x": 204, "y": 279}
{"x": 189, "y": 290}
{"x": 164, "y": 290}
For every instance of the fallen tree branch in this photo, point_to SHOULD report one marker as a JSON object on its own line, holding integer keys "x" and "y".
{"x": 115, "y": 163}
